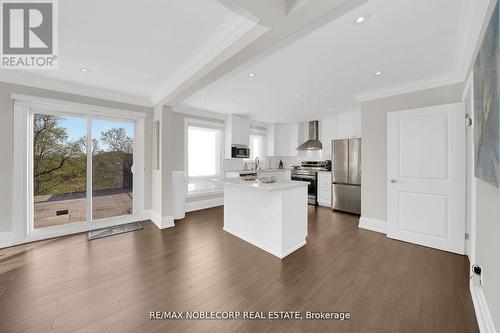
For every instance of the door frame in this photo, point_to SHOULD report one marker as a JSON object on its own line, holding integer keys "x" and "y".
{"x": 24, "y": 107}
{"x": 470, "y": 152}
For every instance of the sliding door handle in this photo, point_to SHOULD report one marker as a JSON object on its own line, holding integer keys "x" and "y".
{"x": 394, "y": 181}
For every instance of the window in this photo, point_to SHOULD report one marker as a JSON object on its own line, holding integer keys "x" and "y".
{"x": 204, "y": 151}
{"x": 77, "y": 164}
{"x": 257, "y": 146}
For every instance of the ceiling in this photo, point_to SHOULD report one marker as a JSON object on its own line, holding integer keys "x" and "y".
{"x": 406, "y": 40}
{"x": 131, "y": 47}
{"x": 198, "y": 53}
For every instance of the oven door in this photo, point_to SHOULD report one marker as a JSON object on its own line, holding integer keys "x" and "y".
{"x": 311, "y": 188}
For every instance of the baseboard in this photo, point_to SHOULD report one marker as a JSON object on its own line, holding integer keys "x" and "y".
{"x": 373, "y": 225}
{"x": 6, "y": 239}
{"x": 161, "y": 222}
{"x": 192, "y": 206}
{"x": 482, "y": 310}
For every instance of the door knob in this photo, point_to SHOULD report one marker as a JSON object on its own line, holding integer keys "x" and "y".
{"x": 394, "y": 181}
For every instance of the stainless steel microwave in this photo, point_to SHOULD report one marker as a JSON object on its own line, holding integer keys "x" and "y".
{"x": 239, "y": 151}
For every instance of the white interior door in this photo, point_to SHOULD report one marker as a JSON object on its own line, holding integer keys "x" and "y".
{"x": 426, "y": 176}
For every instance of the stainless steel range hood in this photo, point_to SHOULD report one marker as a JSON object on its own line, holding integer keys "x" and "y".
{"x": 313, "y": 143}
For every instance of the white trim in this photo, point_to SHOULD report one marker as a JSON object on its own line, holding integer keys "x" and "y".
{"x": 483, "y": 315}
{"x": 204, "y": 193}
{"x": 189, "y": 110}
{"x": 161, "y": 222}
{"x": 262, "y": 247}
{"x": 24, "y": 107}
{"x": 209, "y": 125}
{"x": 230, "y": 30}
{"x": 192, "y": 206}
{"x": 466, "y": 49}
{"x": 468, "y": 35}
{"x": 471, "y": 243}
{"x": 32, "y": 80}
{"x": 373, "y": 224}
{"x": 6, "y": 239}
{"x": 51, "y": 104}
{"x": 409, "y": 87}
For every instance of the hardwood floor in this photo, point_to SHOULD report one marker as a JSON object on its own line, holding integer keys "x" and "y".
{"x": 111, "y": 284}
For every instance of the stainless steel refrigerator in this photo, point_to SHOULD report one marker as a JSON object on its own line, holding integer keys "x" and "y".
{"x": 346, "y": 175}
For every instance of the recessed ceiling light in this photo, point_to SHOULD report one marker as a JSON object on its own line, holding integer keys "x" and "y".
{"x": 330, "y": 109}
{"x": 361, "y": 19}
{"x": 298, "y": 95}
{"x": 251, "y": 74}
{"x": 378, "y": 73}
{"x": 84, "y": 70}
{"x": 282, "y": 119}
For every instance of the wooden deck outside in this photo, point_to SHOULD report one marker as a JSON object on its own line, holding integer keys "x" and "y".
{"x": 106, "y": 203}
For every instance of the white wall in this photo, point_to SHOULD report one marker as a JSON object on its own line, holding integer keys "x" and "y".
{"x": 374, "y": 141}
{"x": 488, "y": 244}
{"x": 7, "y": 134}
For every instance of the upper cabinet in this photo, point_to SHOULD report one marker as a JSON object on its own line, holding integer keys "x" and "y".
{"x": 348, "y": 124}
{"x": 237, "y": 130}
{"x": 282, "y": 139}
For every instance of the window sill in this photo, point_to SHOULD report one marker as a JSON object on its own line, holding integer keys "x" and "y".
{"x": 204, "y": 193}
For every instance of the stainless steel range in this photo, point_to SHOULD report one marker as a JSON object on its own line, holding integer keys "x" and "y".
{"x": 308, "y": 172}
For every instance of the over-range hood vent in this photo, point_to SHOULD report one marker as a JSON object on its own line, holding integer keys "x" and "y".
{"x": 313, "y": 143}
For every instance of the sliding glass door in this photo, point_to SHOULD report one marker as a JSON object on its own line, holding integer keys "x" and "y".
{"x": 59, "y": 170}
{"x": 112, "y": 175}
{"x": 82, "y": 169}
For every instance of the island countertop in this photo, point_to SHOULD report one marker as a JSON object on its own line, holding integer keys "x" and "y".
{"x": 277, "y": 186}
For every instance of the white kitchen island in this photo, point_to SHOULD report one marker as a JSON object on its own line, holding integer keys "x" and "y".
{"x": 272, "y": 217}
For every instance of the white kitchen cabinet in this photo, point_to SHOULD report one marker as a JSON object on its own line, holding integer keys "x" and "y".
{"x": 327, "y": 133}
{"x": 325, "y": 188}
{"x": 282, "y": 139}
{"x": 237, "y": 132}
{"x": 348, "y": 124}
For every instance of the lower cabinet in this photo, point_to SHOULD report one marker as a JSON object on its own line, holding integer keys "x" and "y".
{"x": 325, "y": 188}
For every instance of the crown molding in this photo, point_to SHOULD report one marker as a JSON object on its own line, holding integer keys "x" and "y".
{"x": 469, "y": 34}
{"x": 409, "y": 87}
{"x": 231, "y": 29}
{"x": 30, "y": 80}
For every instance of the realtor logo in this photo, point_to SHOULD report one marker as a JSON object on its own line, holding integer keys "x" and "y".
{"x": 29, "y": 34}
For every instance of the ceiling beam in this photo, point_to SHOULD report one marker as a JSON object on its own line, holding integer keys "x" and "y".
{"x": 280, "y": 22}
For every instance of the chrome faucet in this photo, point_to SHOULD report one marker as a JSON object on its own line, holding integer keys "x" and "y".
{"x": 257, "y": 162}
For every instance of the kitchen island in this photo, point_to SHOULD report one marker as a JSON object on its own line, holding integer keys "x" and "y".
{"x": 272, "y": 216}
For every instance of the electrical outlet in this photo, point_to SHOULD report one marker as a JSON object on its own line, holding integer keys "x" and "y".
{"x": 478, "y": 271}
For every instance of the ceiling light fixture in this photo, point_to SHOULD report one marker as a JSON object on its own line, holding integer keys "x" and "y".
{"x": 282, "y": 119}
{"x": 298, "y": 95}
{"x": 251, "y": 74}
{"x": 330, "y": 109}
{"x": 379, "y": 73}
{"x": 84, "y": 70}
{"x": 361, "y": 19}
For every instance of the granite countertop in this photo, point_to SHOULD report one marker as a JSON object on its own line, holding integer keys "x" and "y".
{"x": 277, "y": 186}
{"x": 261, "y": 170}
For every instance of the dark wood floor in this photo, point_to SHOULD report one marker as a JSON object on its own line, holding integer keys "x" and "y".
{"x": 111, "y": 284}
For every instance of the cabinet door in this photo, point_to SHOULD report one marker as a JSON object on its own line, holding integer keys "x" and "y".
{"x": 325, "y": 189}
{"x": 345, "y": 125}
{"x": 293, "y": 139}
{"x": 244, "y": 131}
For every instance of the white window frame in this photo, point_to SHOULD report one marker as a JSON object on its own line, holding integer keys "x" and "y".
{"x": 203, "y": 124}
{"x": 263, "y": 134}
{"x": 24, "y": 108}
